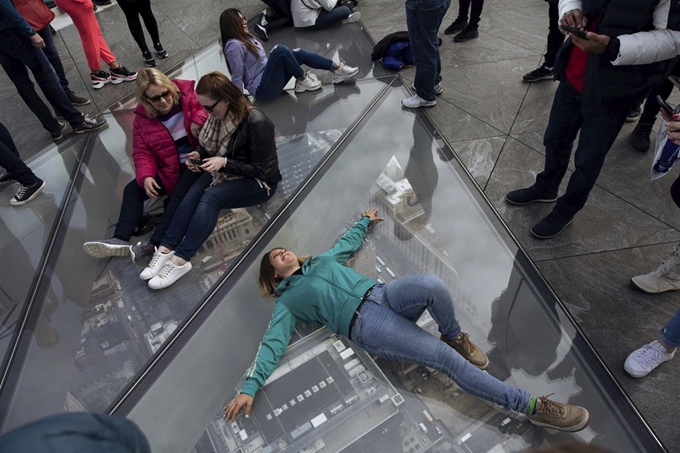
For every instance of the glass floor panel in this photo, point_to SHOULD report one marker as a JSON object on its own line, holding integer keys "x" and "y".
{"x": 326, "y": 394}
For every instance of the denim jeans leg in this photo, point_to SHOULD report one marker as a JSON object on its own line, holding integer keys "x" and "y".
{"x": 186, "y": 180}
{"x": 185, "y": 212}
{"x": 411, "y": 296}
{"x": 598, "y": 132}
{"x": 237, "y": 193}
{"x": 328, "y": 18}
{"x": 52, "y": 55}
{"x": 312, "y": 59}
{"x": 11, "y": 161}
{"x": 382, "y": 332}
{"x": 281, "y": 66}
{"x": 565, "y": 120}
{"x": 671, "y": 332}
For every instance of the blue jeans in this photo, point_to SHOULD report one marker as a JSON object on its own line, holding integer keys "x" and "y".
{"x": 386, "y": 326}
{"x": 328, "y": 18}
{"x": 11, "y": 161}
{"x": 671, "y": 331}
{"x": 16, "y": 54}
{"x": 284, "y": 64}
{"x": 196, "y": 216}
{"x": 423, "y": 19}
{"x": 598, "y": 132}
{"x": 52, "y": 54}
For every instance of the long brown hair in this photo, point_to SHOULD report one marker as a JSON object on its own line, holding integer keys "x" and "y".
{"x": 267, "y": 280}
{"x": 231, "y": 27}
{"x": 217, "y": 86}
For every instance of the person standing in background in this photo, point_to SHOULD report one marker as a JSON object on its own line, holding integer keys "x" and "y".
{"x": 555, "y": 41}
{"x": 132, "y": 10}
{"x": 469, "y": 29}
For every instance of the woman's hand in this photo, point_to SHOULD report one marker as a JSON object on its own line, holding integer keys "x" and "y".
{"x": 151, "y": 187}
{"x": 213, "y": 164}
{"x": 195, "y": 129}
{"x": 236, "y": 404}
{"x": 672, "y": 126}
{"x": 194, "y": 155}
{"x": 372, "y": 213}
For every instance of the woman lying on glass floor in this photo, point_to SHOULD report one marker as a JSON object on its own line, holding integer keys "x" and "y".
{"x": 381, "y": 319}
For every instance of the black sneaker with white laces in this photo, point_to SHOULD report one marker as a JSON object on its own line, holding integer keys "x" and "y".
{"x": 149, "y": 60}
{"x": 122, "y": 74}
{"x": 89, "y": 124}
{"x": 6, "y": 177}
{"x": 160, "y": 51}
{"x": 99, "y": 79}
{"x": 27, "y": 193}
{"x": 541, "y": 73}
{"x": 58, "y": 135}
{"x": 261, "y": 32}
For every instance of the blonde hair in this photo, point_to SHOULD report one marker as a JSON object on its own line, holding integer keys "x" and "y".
{"x": 267, "y": 280}
{"x": 152, "y": 76}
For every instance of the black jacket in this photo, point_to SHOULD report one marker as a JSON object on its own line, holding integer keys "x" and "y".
{"x": 380, "y": 49}
{"x": 612, "y": 87}
{"x": 252, "y": 150}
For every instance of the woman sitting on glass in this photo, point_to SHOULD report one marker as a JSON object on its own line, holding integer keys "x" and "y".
{"x": 167, "y": 122}
{"x": 237, "y": 154}
{"x": 265, "y": 78}
{"x": 381, "y": 319}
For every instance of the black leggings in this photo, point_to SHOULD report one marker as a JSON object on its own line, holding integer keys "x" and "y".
{"x": 132, "y": 10}
{"x": 475, "y": 13}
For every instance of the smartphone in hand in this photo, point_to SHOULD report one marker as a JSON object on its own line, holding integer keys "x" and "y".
{"x": 666, "y": 106}
{"x": 196, "y": 162}
{"x": 575, "y": 31}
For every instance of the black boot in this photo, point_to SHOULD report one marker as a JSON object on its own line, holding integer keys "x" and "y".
{"x": 457, "y": 25}
{"x": 640, "y": 137}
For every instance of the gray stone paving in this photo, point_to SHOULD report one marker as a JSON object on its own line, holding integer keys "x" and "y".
{"x": 495, "y": 123}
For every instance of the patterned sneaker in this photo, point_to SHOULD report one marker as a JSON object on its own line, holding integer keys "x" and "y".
{"x": 149, "y": 60}
{"x": 142, "y": 249}
{"x": 122, "y": 74}
{"x": 27, "y": 193}
{"x": 89, "y": 124}
{"x": 416, "y": 102}
{"x": 468, "y": 350}
{"x": 344, "y": 72}
{"x": 99, "y": 79}
{"x": 642, "y": 361}
{"x": 106, "y": 248}
{"x": 559, "y": 416}
{"x": 6, "y": 177}
{"x": 169, "y": 275}
{"x": 155, "y": 265}
{"x": 309, "y": 83}
{"x": 160, "y": 51}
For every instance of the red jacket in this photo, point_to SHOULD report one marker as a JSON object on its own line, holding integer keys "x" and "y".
{"x": 35, "y": 12}
{"x": 153, "y": 149}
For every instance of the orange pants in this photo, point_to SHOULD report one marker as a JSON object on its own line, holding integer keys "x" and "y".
{"x": 82, "y": 14}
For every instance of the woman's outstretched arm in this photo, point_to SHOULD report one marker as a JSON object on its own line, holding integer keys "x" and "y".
{"x": 352, "y": 240}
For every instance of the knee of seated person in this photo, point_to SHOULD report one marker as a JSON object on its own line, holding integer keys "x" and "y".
{"x": 277, "y": 49}
{"x": 132, "y": 189}
{"x": 435, "y": 283}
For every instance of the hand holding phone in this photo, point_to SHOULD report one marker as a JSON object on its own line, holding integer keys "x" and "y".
{"x": 666, "y": 106}
{"x": 575, "y": 31}
{"x": 196, "y": 162}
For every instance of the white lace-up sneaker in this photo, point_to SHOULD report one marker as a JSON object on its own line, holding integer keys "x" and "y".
{"x": 344, "y": 72}
{"x": 666, "y": 277}
{"x": 642, "y": 361}
{"x": 169, "y": 275}
{"x": 309, "y": 83}
{"x": 354, "y": 17}
{"x": 155, "y": 265}
{"x": 416, "y": 102}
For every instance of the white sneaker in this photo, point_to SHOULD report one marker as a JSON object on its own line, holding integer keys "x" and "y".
{"x": 309, "y": 83}
{"x": 642, "y": 361}
{"x": 666, "y": 277}
{"x": 157, "y": 262}
{"x": 416, "y": 102}
{"x": 344, "y": 72}
{"x": 438, "y": 89}
{"x": 354, "y": 17}
{"x": 169, "y": 275}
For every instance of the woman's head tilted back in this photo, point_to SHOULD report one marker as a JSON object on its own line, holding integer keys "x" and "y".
{"x": 234, "y": 26}
{"x": 218, "y": 95}
{"x": 277, "y": 264}
{"x": 155, "y": 92}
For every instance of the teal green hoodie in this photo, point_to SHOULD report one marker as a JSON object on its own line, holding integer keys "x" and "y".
{"x": 327, "y": 292}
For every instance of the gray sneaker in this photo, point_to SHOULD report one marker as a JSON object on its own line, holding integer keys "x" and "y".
{"x": 107, "y": 247}
{"x": 666, "y": 277}
{"x": 142, "y": 249}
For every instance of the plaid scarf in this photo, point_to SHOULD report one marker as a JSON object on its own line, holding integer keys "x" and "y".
{"x": 214, "y": 138}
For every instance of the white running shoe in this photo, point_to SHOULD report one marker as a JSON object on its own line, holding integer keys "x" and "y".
{"x": 666, "y": 277}
{"x": 309, "y": 83}
{"x": 169, "y": 275}
{"x": 344, "y": 72}
{"x": 416, "y": 102}
{"x": 155, "y": 265}
{"x": 354, "y": 17}
{"x": 642, "y": 361}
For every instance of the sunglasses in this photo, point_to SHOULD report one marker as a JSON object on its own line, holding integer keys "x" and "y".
{"x": 164, "y": 95}
{"x": 212, "y": 107}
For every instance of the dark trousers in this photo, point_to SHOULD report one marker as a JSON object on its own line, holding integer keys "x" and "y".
{"x": 132, "y": 10}
{"x": 11, "y": 161}
{"x": 664, "y": 90}
{"x": 598, "y": 132}
{"x": 555, "y": 36}
{"x": 328, "y": 18}
{"x": 132, "y": 209}
{"x": 17, "y": 54}
{"x": 52, "y": 54}
{"x": 475, "y": 14}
